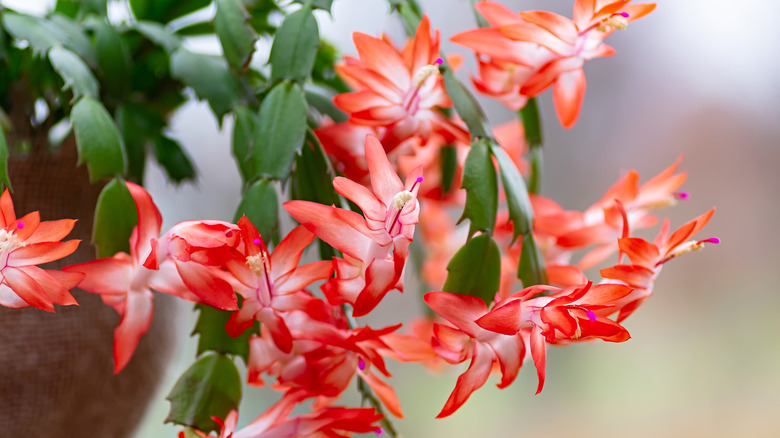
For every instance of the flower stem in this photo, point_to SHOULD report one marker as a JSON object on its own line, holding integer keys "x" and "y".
{"x": 532, "y": 126}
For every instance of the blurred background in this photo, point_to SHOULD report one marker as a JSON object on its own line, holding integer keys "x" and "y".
{"x": 699, "y": 78}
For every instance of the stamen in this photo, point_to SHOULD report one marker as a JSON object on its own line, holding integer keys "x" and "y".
{"x": 423, "y": 74}
{"x": 591, "y": 316}
{"x": 439, "y": 61}
{"x": 682, "y": 196}
{"x": 256, "y": 241}
{"x": 361, "y": 364}
{"x": 401, "y": 198}
{"x": 20, "y": 225}
{"x": 688, "y": 247}
{"x": 379, "y": 431}
{"x": 614, "y": 21}
{"x": 229, "y": 234}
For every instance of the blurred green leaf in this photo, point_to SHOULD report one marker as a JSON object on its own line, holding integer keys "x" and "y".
{"x": 295, "y": 46}
{"x": 212, "y": 336}
{"x": 520, "y": 211}
{"x": 312, "y": 179}
{"x": 74, "y": 72}
{"x": 97, "y": 139}
{"x": 72, "y": 36}
{"x": 138, "y": 124}
{"x": 113, "y": 60}
{"x": 173, "y": 159}
{"x": 531, "y": 269}
{"x": 481, "y": 184}
{"x": 210, "y": 387}
{"x": 38, "y": 32}
{"x": 164, "y": 11}
{"x": 465, "y": 104}
{"x": 196, "y": 29}
{"x": 475, "y": 269}
{"x": 68, "y": 8}
{"x": 235, "y": 34}
{"x": 159, "y": 34}
{"x": 243, "y": 130}
{"x": 260, "y": 205}
{"x": 324, "y": 105}
{"x": 280, "y": 131}
{"x": 4, "y": 180}
{"x": 209, "y": 77}
{"x": 115, "y": 218}
{"x": 449, "y": 164}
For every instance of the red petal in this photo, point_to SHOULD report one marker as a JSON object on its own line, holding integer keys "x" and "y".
{"x": 558, "y": 25}
{"x": 287, "y": 254}
{"x": 41, "y": 252}
{"x": 539, "y": 354}
{"x": 384, "y": 392}
{"x": 149, "y": 219}
{"x": 381, "y": 57}
{"x": 7, "y": 214}
{"x": 497, "y": 14}
{"x": 27, "y": 288}
{"x": 460, "y": 310}
{"x": 568, "y": 94}
{"x": 136, "y": 318}
{"x": 384, "y": 180}
{"x": 213, "y": 290}
{"x": 51, "y": 231}
{"x": 471, "y": 380}
{"x": 504, "y": 319}
{"x": 106, "y": 276}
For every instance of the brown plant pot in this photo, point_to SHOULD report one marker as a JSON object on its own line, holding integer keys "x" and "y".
{"x": 56, "y": 369}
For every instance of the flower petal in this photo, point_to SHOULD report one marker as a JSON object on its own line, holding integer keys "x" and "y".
{"x": 136, "y": 318}
{"x": 471, "y": 380}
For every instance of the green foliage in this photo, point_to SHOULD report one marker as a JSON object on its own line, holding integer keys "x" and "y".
{"x": 243, "y": 130}
{"x": 159, "y": 34}
{"x": 76, "y": 75}
{"x": 115, "y": 218}
{"x": 531, "y": 269}
{"x": 210, "y": 387}
{"x": 212, "y": 336}
{"x": 38, "y": 32}
{"x": 113, "y": 59}
{"x": 475, "y": 269}
{"x": 164, "y": 11}
{"x": 209, "y": 77}
{"x": 481, "y": 184}
{"x": 138, "y": 123}
{"x": 449, "y": 164}
{"x": 235, "y": 34}
{"x": 97, "y": 139}
{"x": 71, "y": 34}
{"x": 260, "y": 205}
{"x": 173, "y": 159}
{"x": 4, "y": 180}
{"x": 280, "y": 131}
{"x": 324, "y": 105}
{"x": 295, "y": 46}
{"x": 465, "y": 104}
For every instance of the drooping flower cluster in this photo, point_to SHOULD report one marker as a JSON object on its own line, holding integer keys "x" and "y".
{"x": 308, "y": 346}
{"x": 523, "y": 54}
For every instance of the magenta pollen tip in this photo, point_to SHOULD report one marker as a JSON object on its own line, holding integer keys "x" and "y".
{"x": 439, "y": 61}
{"x": 20, "y": 225}
{"x": 623, "y": 14}
{"x": 714, "y": 240}
{"x": 682, "y": 195}
{"x": 379, "y": 431}
{"x": 229, "y": 234}
{"x": 420, "y": 179}
{"x": 361, "y": 364}
{"x": 256, "y": 241}
{"x": 591, "y": 316}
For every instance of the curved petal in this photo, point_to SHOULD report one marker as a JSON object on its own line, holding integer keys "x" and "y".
{"x": 205, "y": 283}
{"x": 41, "y": 252}
{"x": 504, "y": 319}
{"x": 364, "y": 198}
{"x": 27, "y": 288}
{"x": 423, "y": 52}
{"x": 287, "y": 254}
{"x": 136, "y": 318}
{"x": 361, "y": 100}
{"x": 50, "y": 282}
{"x": 303, "y": 276}
{"x": 568, "y": 94}
{"x": 510, "y": 351}
{"x": 149, "y": 219}
{"x": 51, "y": 231}
{"x": 380, "y": 56}
{"x": 471, "y": 380}
{"x": 27, "y": 225}
{"x": 384, "y": 392}
{"x": 460, "y": 310}
{"x": 343, "y": 230}
{"x": 539, "y": 355}
{"x": 106, "y": 276}
{"x": 497, "y": 14}
{"x": 384, "y": 180}
{"x": 558, "y": 25}
{"x": 7, "y": 214}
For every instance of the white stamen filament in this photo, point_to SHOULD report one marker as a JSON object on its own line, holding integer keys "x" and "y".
{"x": 401, "y": 199}
{"x": 423, "y": 74}
{"x": 616, "y": 22}
{"x": 9, "y": 241}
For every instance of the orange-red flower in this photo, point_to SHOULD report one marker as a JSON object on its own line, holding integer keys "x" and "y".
{"x": 26, "y": 242}
{"x": 398, "y": 91}
{"x": 531, "y": 51}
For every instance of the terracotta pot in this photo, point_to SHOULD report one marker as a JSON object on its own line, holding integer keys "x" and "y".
{"x": 56, "y": 370}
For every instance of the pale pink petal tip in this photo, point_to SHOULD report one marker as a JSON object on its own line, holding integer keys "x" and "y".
{"x": 256, "y": 241}
{"x": 682, "y": 195}
{"x": 439, "y": 61}
{"x": 591, "y": 315}
{"x": 361, "y": 364}
{"x": 379, "y": 431}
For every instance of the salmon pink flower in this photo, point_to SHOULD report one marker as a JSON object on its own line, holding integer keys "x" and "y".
{"x": 375, "y": 245}
{"x": 26, "y": 242}
{"x": 398, "y": 91}
{"x": 269, "y": 282}
{"x": 125, "y": 281}
{"x": 545, "y": 50}
{"x": 468, "y": 340}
